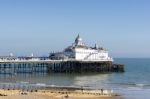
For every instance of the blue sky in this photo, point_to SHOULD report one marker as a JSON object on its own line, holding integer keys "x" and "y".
{"x": 41, "y": 26}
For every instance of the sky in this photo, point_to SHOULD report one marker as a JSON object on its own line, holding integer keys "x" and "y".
{"x": 42, "y": 26}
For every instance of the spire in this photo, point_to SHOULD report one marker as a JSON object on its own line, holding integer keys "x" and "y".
{"x": 77, "y": 38}
{"x": 78, "y": 41}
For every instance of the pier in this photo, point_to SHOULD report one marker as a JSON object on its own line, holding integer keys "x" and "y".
{"x": 57, "y": 66}
{"x": 77, "y": 58}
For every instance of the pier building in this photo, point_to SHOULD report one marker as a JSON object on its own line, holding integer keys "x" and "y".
{"x": 79, "y": 51}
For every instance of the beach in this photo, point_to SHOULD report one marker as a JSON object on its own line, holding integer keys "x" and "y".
{"x": 53, "y": 94}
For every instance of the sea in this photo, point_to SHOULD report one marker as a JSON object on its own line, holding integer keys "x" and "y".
{"x": 134, "y": 83}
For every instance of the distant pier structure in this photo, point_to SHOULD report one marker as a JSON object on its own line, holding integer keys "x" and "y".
{"x": 77, "y": 58}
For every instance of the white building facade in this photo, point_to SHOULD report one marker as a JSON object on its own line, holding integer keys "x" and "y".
{"x": 79, "y": 51}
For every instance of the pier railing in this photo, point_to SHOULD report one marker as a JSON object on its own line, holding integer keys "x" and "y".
{"x": 49, "y": 60}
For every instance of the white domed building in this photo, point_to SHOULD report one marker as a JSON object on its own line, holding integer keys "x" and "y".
{"x": 80, "y": 52}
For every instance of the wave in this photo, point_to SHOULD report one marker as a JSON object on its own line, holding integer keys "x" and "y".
{"x": 40, "y": 84}
{"x": 132, "y": 84}
{"x": 142, "y": 85}
{"x": 23, "y": 82}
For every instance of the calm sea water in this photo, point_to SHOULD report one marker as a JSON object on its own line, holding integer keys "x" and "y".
{"x": 134, "y": 83}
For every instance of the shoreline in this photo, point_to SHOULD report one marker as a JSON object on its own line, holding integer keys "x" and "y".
{"x": 57, "y": 93}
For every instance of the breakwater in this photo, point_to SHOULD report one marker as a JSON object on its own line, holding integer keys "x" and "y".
{"x": 57, "y": 66}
